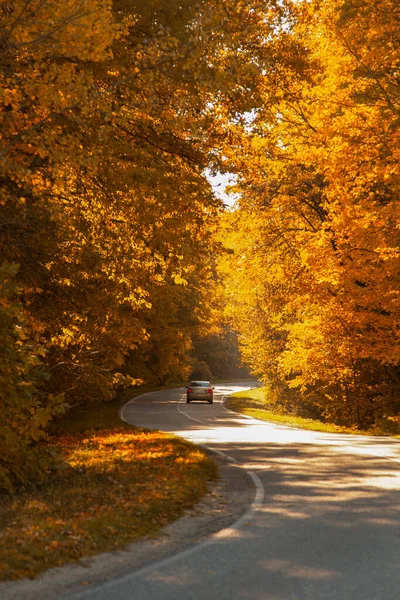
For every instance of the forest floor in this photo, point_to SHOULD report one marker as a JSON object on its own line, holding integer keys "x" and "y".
{"x": 117, "y": 484}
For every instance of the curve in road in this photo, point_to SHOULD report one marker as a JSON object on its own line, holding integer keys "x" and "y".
{"x": 326, "y": 529}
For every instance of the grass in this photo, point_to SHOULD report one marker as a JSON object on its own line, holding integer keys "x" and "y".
{"x": 117, "y": 484}
{"x": 255, "y": 403}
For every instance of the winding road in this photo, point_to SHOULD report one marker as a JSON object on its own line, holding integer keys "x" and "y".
{"x": 324, "y": 523}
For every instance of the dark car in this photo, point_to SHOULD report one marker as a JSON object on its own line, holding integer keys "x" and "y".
{"x": 200, "y": 390}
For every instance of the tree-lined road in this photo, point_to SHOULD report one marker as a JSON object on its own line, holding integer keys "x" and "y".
{"x": 324, "y": 524}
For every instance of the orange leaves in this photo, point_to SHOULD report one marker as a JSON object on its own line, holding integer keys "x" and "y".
{"x": 103, "y": 203}
{"x": 120, "y": 484}
{"x": 54, "y": 25}
{"x": 313, "y": 285}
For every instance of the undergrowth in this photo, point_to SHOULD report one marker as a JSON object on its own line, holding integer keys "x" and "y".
{"x": 262, "y": 404}
{"x": 115, "y": 483}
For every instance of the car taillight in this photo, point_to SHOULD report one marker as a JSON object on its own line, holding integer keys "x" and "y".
{"x": 190, "y": 390}
{"x": 210, "y": 391}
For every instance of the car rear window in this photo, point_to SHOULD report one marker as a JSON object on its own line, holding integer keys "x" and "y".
{"x": 200, "y": 384}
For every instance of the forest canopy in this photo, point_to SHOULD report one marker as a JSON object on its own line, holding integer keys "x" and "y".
{"x": 118, "y": 263}
{"x": 314, "y": 285}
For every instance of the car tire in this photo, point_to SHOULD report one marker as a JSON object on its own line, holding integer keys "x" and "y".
{"x": 210, "y": 401}
{"x": 187, "y": 401}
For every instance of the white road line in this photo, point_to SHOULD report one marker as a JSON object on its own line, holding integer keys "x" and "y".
{"x": 324, "y": 435}
{"x": 225, "y": 533}
{"x": 186, "y": 415}
{"x": 181, "y": 401}
{"x": 132, "y": 400}
{"x": 222, "y": 454}
{"x": 234, "y": 412}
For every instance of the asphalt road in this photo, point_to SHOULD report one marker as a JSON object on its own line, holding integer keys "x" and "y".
{"x": 324, "y": 524}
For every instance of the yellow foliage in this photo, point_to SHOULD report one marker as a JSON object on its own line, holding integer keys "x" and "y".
{"x": 313, "y": 287}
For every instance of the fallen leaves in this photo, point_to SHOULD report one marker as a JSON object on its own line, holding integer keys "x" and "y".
{"x": 118, "y": 484}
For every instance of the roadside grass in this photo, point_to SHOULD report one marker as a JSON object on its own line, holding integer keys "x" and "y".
{"x": 255, "y": 403}
{"x": 116, "y": 483}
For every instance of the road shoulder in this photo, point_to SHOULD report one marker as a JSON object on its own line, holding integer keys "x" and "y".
{"x": 227, "y": 500}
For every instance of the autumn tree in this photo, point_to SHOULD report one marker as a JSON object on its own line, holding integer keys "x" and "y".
{"x": 111, "y": 113}
{"x": 43, "y": 86}
{"x": 315, "y": 285}
{"x": 105, "y": 211}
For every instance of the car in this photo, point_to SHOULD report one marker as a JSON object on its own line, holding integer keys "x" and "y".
{"x": 199, "y": 390}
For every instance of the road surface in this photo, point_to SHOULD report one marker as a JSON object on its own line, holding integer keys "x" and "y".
{"x": 324, "y": 524}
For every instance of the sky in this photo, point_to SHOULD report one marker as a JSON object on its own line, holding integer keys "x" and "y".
{"x": 219, "y": 183}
